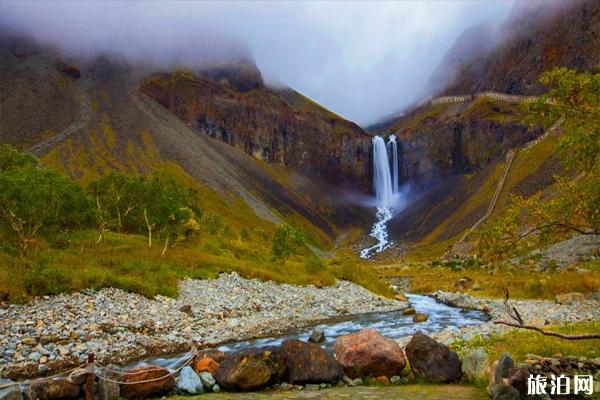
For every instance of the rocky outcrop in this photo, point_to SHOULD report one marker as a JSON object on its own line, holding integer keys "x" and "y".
{"x": 367, "y": 352}
{"x": 153, "y": 380}
{"x": 309, "y": 363}
{"x": 459, "y": 144}
{"x": 277, "y": 126}
{"x": 433, "y": 360}
{"x": 251, "y": 369}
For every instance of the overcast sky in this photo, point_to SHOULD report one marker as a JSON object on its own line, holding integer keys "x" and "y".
{"x": 363, "y": 60}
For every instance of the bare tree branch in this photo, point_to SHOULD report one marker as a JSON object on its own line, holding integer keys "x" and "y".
{"x": 514, "y": 314}
{"x": 550, "y": 333}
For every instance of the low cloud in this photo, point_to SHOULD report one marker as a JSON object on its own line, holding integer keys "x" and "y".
{"x": 363, "y": 60}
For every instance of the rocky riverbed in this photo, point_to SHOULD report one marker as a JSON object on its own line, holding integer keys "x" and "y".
{"x": 55, "y": 332}
{"x": 567, "y": 308}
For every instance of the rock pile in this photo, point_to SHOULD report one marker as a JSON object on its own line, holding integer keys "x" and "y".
{"x": 295, "y": 364}
{"x": 56, "y": 332}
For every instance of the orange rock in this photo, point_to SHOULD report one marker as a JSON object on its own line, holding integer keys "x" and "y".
{"x": 383, "y": 379}
{"x": 205, "y": 365}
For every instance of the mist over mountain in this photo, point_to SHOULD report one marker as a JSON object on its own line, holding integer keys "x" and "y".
{"x": 361, "y": 60}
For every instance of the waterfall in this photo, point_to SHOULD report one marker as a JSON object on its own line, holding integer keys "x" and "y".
{"x": 386, "y": 188}
{"x": 394, "y": 155}
{"x": 382, "y": 178}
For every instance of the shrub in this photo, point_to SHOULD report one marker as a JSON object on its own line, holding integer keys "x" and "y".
{"x": 286, "y": 242}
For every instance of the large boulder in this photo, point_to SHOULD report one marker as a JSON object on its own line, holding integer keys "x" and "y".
{"x": 53, "y": 389}
{"x": 367, "y": 352}
{"x": 517, "y": 378}
{"x": 216, "y": 355}
{"x": 161, "y": 382}
{"x": 309, "y": 363}
{"x": 251, "y": 369}
{"x": 10, "y": 392}
{"x": 189, "y": 382}
{"x": 505, "y": 363}
{"x": 433, "y": 360}
{"x": 475, "y": 364}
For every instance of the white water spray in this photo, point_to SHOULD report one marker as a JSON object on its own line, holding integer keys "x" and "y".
{"x": 386, "y": 188}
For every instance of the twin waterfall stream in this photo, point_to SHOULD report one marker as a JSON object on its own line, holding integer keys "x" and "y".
{"x": 387, "y": 192}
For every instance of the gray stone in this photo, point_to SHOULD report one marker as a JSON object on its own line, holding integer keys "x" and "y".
{"x": 312, "y": 386}
{"x": 35, "y": 356}
{"x": 216, "y": 388}
{"x": 189, "y": 381}
{"x": 474, "y": 364}
{"x": 42, "y": 369}
{"x": 395, "y": 380}
{"x": 11, "y": 392}
{"x": 505, "y": 392}
{"x": 207, "y": 379}
{"x": 357, "y": 382}
{"x": 317, "y": 336}
{"x": 109, "y": 390}
{"x": 505, "y": 363}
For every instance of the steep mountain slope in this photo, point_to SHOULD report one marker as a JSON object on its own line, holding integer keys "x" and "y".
{"x": 536, "y": 37}
{"x": 96, "y": 120}
{"x": 275, "y": 125}
{"x": 453, "y": 149}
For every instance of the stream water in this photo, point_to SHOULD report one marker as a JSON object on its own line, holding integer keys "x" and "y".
{"x": 391, "y": 324}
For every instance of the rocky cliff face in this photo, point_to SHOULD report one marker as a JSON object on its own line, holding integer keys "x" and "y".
{"x": 447, "y": 139}
{"x": 537, "y": 36}
{"x": 275, "y": 125}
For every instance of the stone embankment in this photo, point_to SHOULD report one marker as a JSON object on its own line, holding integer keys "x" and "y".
{"x": 295, "y": 364}
{"x": 54, "y": 333}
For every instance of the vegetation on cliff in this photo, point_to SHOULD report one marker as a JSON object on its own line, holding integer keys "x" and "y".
{"x": 572, "y": 203}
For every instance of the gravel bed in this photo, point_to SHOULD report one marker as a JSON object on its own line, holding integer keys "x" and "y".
{"x": 54, "y": 332}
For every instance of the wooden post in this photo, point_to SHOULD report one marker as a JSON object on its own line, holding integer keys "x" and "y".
{"x": 89, "y": 380}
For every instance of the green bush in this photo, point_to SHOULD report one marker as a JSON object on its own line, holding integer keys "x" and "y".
{"x": 286, "y": 242}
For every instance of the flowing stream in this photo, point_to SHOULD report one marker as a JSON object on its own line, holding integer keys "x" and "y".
{"x": 392, "y": 324}
{"x": 387, "y": 191}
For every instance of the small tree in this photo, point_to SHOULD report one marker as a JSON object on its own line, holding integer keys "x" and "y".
{"x": 34, "y": 199}
{"x": 286, "y": 241}
{"x": 11, "y": 158}
{"x": 166, "y": 211}
{"x": 118, "y": 199}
